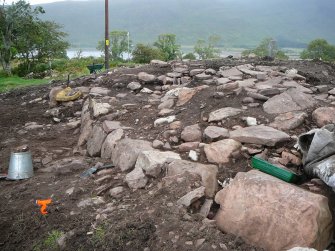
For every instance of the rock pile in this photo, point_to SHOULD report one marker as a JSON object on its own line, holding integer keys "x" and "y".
{"x": 261, "y": 209}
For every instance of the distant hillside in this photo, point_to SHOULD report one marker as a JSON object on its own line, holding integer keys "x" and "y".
{"x": 240, "y": 23}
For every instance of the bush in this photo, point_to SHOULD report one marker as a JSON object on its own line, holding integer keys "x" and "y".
{"x": 262, "y": 50}
{"x": 319, "y": 49}
{"x": 143, "y": 54}
{"x": 190, "y": 56}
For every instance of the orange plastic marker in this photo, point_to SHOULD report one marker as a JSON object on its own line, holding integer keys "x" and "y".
{"x": 43, "y": 204}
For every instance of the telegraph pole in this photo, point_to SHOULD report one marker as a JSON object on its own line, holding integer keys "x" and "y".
{"x": 106, "y": 37}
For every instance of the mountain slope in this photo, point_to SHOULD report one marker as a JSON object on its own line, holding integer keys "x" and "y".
{"x": 239, "y": 22}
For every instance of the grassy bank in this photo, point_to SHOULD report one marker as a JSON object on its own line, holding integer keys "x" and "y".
{"x": 8, "y": 83}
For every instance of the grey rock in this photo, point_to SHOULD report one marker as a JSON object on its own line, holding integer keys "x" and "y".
{"x": 288, "y": 101}
{"x": 136, "y": 179}
{"x": 247, "y": 69}
{"x": 110, "y": 126}
{"x": 261, "y": 135}
{"x": 257, "y": 96}
{"x": 165, "y": 120}
{"x": 99, "y": 108}
{"x": 207, "y": 173}
{"x": 223, "y": 113}
{"x": 91, "y": 202}
{"x": 134, "y": 86}
{"x": 222, "y": 81}
{"x": 159, "y": 63}
{"x": 214, "y": 133}
{"x": 202, "y": 76}
{"x": 227, "y": 87}
{"x": 167, "y": 104}
{"x": 157, "y": 144}
{"x": 116, "y": 192}
{"x": 174, "y": 74}
{"x": 95, "y": 141}
{"x": 146, "y": 78}
{"x": 191, "y": 133}
{"x": 206, "y": 208}
{"x": 322, "y": 88}
{"x": 100, "y": 91}
{"x": 126, "y": 152}
{"x": 289, "y": 120}
{"x": 191, "y": 197}
{"x": 269, "y": 92}
{"x": 196, "y": 72}
{"x": 246, "y": 83}
{"x": 210, "y": 71}
{"x": 110, "y": 142}
{"x": 151, "y": 162}
{"x": 230, "y": 72}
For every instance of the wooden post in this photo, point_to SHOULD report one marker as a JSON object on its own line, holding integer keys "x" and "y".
{"x": 106, "y": 37}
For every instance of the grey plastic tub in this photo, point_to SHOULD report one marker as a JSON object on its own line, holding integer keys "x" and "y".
{"x": 20, "y": 166}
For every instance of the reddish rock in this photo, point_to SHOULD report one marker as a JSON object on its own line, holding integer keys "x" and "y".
{"x": 191, "y": 133}
{"x": 220, "y": 152}
{"x": 324, "y": 116}
{"x": 272, "y": 214}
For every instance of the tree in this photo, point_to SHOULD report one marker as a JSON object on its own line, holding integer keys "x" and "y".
{"x": 145, "y": 53}
{"x": 267, "y": 48}
{"x": 24, "y": 35}
{"x": 119, "y": 44}
{"x": 168, "y": 45}
{"x": 41, "y": 42}
{"x": 207, "y": 50}
{"x": 13, "y": 20}
{"x": 319, "y": 49}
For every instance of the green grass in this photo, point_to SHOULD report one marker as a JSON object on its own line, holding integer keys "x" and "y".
{"x": 49, "y": 242}
{"x": 8, "y": 83}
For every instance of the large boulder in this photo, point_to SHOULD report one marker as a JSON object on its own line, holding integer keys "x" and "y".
{"x": 110, "y": 142}
{"x": 220, "y": 152}
{"x": 207, "y": 173}
{"x": 95, "y": 141}
{"x": 260, "y": 135}
{"x": 324, "y": 116}
{"x": 152, "y": 162}
{"x": 288, "y": 101}
{"x": 272, "y": 214}
{"x": 126, "y": 152}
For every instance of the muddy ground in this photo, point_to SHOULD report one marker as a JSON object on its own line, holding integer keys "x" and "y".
{"x": 145, "y": 219}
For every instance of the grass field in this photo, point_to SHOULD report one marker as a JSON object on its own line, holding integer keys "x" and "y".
{"x": 7, "y": 83}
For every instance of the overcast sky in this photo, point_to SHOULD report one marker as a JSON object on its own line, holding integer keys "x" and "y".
{"x": 32, "y": 2}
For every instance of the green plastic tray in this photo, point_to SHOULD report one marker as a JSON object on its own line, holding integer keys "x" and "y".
{"x": 273, "y": 170}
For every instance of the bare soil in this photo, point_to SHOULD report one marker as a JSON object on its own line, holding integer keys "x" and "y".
{"x": 145, "y": 219}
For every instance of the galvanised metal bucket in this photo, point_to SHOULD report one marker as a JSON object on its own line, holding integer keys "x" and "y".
{"x": 20, "y": 166}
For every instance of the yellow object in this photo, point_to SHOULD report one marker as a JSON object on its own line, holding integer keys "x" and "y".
{"x": 67, "y": 94}
{"x": 107, "y": 42}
